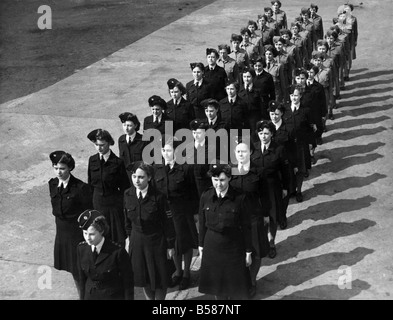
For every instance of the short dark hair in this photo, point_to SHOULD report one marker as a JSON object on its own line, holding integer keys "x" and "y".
{"x": 216, "y": 169}
{"x": 101, "y": 225}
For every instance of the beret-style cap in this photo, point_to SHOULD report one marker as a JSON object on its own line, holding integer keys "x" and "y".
{"x": 55, "y": 156}
{"x": 210, "y": 51}
{"x": 199, "y": 124}
{"x": 87, "y": 217}
{"x": 236, "y": 37}
{"x": 157, "y": 100}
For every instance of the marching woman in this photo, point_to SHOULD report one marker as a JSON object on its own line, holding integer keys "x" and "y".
{"x": 279, "y": 15}
{"x": 272, "y": 159}
{"x": 158, "y": 117}
{"x": 198, "y": 89}
{"x": 246, "y": 178}
{"x": 225, "y": 244}
{"x": 150, "y": 232}
{"x": 215, "y": 74}
{"x": 277, "y": 71}
{"x": 108, "y": 178}
{"x": 69, "y": 197}
{"x": 177, "y": 183}
{"x": 104, "y": 266}
{"x": 178, "y": 109}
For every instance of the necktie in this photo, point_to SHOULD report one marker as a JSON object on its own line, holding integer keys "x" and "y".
{"x": 241, "y": 169}
{"x": 129, "y": 142}
{"x": 60, "y": 188}
{"x": 95, "y": 254}
{"x": 156, "y": 121}
{"x": 219, "y": 196}
{"x": 230, "y": 101}
{"x": 264, "y": 149}
{"x": 197, "y": 85}
{"x": 140, "y": 195}
{"x": 102, "y": 161}
{"x": 167, "y": 168}
{"x": 268, "y": 66}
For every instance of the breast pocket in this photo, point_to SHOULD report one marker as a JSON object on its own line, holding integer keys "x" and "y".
{"x": 211, "y": 216}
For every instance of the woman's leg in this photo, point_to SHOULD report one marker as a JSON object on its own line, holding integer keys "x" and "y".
{"x": 160, "y": 294}
{"x": 149, "y": 294}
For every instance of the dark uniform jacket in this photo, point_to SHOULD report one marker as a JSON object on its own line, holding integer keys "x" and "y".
{"x": 181, "y": 115}
{"x": 109, "y": 178}
{"x": 151, "y": 215}
{"x": 73, "y": 200}
{"x": 253, "y": 100}
{"x": 265, "y": 84}
{"x": 110, "y": 277}
{"x": 196, "y": 95}
{"x": 298, "y": 123}
{"x": 315, "y": 100}
{"x": 216, "y": 78}
{"x": 235, "y": 116}
{"x": 148, "y": 123}
{"x": 132, "y": 152}
{"x": 225, "y": 215}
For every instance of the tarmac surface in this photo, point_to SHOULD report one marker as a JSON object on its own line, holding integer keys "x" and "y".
{"x": 338, "y": 242}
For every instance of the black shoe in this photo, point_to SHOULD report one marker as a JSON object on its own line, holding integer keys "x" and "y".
{"x": 299, "y": 197}
{"x": 283, "y": 225}
{"x": 331, "y": 117}
{"x": 184, "y": 283}
{"x": 272, "y": 252}
{"x": 175, "y": 281}
{"x": 319, "y": 141}
{"x": 306, "y": 174}
{"x": 346, "y": 78}
{"x": 313, "y": 160}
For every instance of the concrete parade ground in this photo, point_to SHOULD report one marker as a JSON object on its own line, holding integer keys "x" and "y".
{"x": 338, "y": 244}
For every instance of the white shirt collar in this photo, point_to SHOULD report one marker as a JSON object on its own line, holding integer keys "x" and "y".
{"x": 223, "y": 193}
{"x": 266, "y": 145}
{"x": 106, "y": 155}
{"x": 246, "y": 166}
{"x": 201, "y": 144}
{"x": 98, "y": 246}
{"x": 65, "y": 182}
{"x": 213, "y": 121}
{"x": 131, "y": 137}
{"x": 171, "y": 163}
{"x": 159, "y": 118}
{"x": 199, "y": 82}
{"x": 295, "y": 106}
{"x": 144, "y": 192}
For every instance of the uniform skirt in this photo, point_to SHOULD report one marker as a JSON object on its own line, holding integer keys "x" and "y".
{"x": 223, "y": 268}
{"x": 260, "y": 241}
{"x": 149, "y": 260}
{"x": 185, "y": 228}
{"x": 68, "y": 236}
{"x": 112, "y": 208}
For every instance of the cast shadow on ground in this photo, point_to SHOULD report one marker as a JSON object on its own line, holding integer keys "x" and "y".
{"x": 300, "y": 271}
{"x": 369, "y": 75}
{"x": 368, "y": 84}
{"x": 346, "y": 124}
{"x": 352, "y": 134}
{"x": 365, "y": 110}
{"x": 356, "y": 71}
{"x": 329, "y": 292}
{"x": 367, "y": 92}
{"x": 329, "y": 209}
{"x": 316, "y": 236}
{"x": 335, "y": 186}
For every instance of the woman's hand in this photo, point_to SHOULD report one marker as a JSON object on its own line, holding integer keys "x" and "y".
{"x": 248, "y": 259}
{"x": 200, "y": 249}
{"x": 170, "y": 253}
{"x": 266, "y": 221}
{"x": 284, "y": 193}
{"x": 295, "y": 170}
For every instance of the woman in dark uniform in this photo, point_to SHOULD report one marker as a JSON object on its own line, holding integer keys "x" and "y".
{"x": 198, "y": 89}
{"x": 272, "y": 159}
{"x": 179, "y": 110}
{"x": 177, "y": 183}
{"x": 107, "y": 177}
{"x": 224, "y": 238}
{"x": 104, "y": 267}
{"x": 150, "y": 232}
{"x": 69, "y": 197}
{"x": 130, "y": 143}
{"x": 247, "y": 178}
{"x": 158, "y": 118}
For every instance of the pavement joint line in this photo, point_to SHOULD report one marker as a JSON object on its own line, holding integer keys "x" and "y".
{"x": 25, "y": 262}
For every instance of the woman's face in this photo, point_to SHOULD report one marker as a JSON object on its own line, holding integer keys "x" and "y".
{"x": 242, "y": 153}
{"x": 235, "y": 45}
{"x": 211, "y": 112}
{"x": 247, "y": 78}
{"x": 311, "y": 74}
{"x": 312, "y": 11}
{"x": 167, "y": 153}
{"x": 318, "y": 62}
{"x": 285, "y": 36}
{"x": 330, "y": 40}
{"x": 275, "y": 7}
{"x": 246, "y": 37}
{"x": 92, "y": 236}
{"x": 156, "y": 110}
{"x": 301, "y": 79}
{"x": 268, "y": 14}
{"x": 262, "y": 22}
{"x": 251, "y": 27}
{"x": 258, "y": 66}
{"x": 269, "y": 56}
{"x": 197, "y": 73}
{"x": 231, "y": 90}
{"x": 295, "y": 30}
{"x": 175, "y": 93}
{"x": 322, "y": 49}
{"x": 295, "y": 96}
{"x": 221, "y": 183}
{"x": 140, "y": 179}
{"x": 129, "y": 127}
{"x": 223, "y": 54}
{"x": 199, "y": 134}
{"x": 62, "y": 171}
{"x": 211, "y": 59}
{"x": 275, "y": 116}
{"x": 102, "y": 146}
{"x": 279, "y": 45}
{"x": 265, "y": 136}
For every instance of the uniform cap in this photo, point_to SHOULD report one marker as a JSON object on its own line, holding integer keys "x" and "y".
{"x": 87, "y": 217}
{"x": 55, "y": 156}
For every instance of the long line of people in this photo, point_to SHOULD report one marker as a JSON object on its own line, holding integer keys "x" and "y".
{"x": 266, "y": 97}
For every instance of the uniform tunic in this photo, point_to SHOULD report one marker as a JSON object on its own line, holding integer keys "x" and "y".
{"x": 110, "y": 277}
{"x": 225, "y": 235}
{"x": 195, "y": 95}
{"x": 216, "y": 78}
{"x": 66, "y": 207}
{"x": 149, "y": 225}
{"x": 181, "y": 114}
{"x": 178, "y": 185}
{"x": 108, "y": 181}
{"x": 131, "y": 152}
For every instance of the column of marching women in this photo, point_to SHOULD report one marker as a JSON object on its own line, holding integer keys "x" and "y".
{"x": 252, "y": 116}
